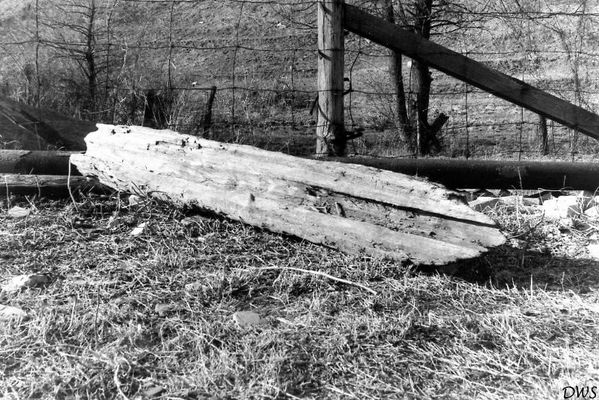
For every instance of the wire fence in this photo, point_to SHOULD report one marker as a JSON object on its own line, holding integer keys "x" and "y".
{"x": 155, "y": 62}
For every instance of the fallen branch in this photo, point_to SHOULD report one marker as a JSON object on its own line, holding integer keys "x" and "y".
{"x": 318, "y": 273}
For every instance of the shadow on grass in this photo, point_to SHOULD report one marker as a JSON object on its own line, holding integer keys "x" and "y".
{"x": 521, "y": 268}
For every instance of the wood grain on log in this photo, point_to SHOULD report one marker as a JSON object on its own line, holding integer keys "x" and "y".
{"x": 349, "y": 207}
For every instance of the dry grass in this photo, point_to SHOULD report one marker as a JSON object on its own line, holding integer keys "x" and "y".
{"x": 150, "y": 316}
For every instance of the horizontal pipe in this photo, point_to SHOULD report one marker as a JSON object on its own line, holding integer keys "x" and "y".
{"x": 452, "y": 173}
{"x": 47, "y": 185}
{"x": 36, "y": 162}
{"x": 486, "y": 174}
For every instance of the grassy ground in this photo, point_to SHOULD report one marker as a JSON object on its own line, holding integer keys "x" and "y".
{"x": 151, "y": 316}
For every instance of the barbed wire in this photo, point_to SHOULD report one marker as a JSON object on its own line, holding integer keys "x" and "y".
{"x": 261, "y": 56}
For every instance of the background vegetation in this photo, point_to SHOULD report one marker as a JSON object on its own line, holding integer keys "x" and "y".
{"x": 97, "y": 60}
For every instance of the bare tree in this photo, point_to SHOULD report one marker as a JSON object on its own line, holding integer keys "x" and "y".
{"x": 37, "y": 54}
{"x": 411, "y": 102}
{"x": 75, "y": 31}
{"x": 396, "y": 75}
{"x": 573, "y": 31}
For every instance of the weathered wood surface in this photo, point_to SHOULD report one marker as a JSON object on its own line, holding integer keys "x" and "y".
{"x": 330, "y": 131}
{"x": 349, "y": 207}
{"x": 465, "y": 69}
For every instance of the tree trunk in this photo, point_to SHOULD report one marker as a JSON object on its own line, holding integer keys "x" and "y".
{"x": 90, "y": 58}
{"x": 207, "y": 117}
{"x": 543, "y": 135}
{"x": 420, "y": 82}
{"x": 395, "y": 71}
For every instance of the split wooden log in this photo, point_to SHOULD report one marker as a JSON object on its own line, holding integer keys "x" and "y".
{"x": 353, "y": 208}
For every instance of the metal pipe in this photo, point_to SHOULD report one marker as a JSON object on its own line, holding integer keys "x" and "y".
{"x": 488, "y": 174}
{"x": 36, "y": 162}
{"x": 453, "y": 173}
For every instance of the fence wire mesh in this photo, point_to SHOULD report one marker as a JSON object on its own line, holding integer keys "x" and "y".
{"x": 125, "y": 61}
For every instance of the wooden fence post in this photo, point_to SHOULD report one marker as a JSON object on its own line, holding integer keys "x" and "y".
{"x": 330, "y": 132}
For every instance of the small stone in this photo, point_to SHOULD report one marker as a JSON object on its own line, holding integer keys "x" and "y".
{"x": 18, "y": 212}
{"x": 593, "y": 250}
{"x": 582, "y": 225}
{"x": 592, "y": 213}
{"x": 246, "y": 319}
{"x": 154, "y": 391}
{"x": 567, "y": 223}
{"x": 20, "y": 282}
{"x": 11, "y": 313}
{"x": 113, "y": 222}
{"x": 139, "y": 229}
{"x": 517, "y": 243}
{"x": 134, "y": 200}
{"x": 561, "y": 207}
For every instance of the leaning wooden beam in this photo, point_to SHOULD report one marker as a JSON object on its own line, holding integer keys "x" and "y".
{"x": 45, "y": 185}
{"x": 465, "y": 69}
{"x": 35, "y": 162}
{"x": 353, "y": 208}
